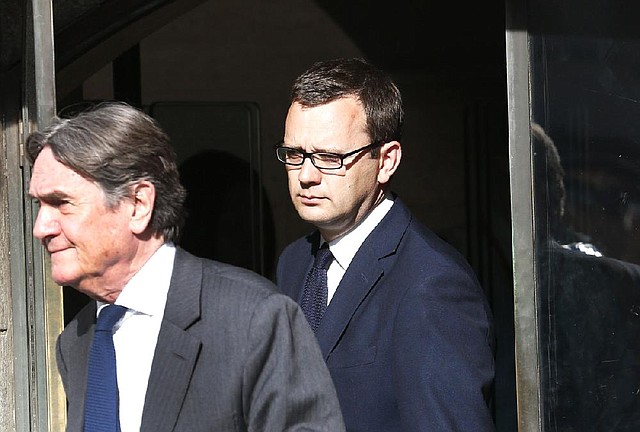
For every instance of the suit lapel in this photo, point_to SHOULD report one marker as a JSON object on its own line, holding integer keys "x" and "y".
{"x": 177, "y": 350}
{"x": 76, "y": 357}
{"x": 366, "y": 269}
{"x": 354, "y": 287}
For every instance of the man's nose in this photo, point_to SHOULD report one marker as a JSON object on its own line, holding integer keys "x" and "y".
{"x": 308, "y": 172}
{"x": 45, "y": 224}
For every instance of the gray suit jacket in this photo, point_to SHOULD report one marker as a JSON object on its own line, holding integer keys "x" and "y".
{"x": 233, "y": 354}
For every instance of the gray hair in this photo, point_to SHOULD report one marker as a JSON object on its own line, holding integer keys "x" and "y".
{"x": 117, "y": 146}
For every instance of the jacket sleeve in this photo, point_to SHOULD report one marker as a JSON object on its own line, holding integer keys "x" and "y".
{"x": 443, "y": 355}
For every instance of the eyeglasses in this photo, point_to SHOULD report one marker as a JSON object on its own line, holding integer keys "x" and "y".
{"x": 321, "y": 160}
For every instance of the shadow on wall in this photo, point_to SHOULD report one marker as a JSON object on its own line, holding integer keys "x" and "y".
{"x": 220, "y": 224}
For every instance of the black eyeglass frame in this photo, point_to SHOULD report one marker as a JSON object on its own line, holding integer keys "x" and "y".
{"x": 311, "y": 155}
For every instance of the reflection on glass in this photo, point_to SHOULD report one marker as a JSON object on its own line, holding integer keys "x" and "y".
{"x": 590, "y": 304}
{"x": 587, "y": 209}
{"x": 586, "y": 143}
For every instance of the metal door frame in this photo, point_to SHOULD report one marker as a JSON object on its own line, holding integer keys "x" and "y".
{"x": 32, "y": 315}
{"x": 522, "y": 218}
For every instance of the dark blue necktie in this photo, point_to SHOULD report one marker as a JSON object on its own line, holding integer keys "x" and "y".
{"x": 101, "y": 401}
{"x": 314, "y": 298}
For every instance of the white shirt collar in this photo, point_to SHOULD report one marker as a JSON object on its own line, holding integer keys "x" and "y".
{"x": 147, "y": 290}
{"x": 344, "y": 248}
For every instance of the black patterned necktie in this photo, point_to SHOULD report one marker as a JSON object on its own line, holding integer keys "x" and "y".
{"x": 101, "y": 401}
{"x": 314, "y": 298}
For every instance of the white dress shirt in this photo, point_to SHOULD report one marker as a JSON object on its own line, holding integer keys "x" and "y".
{"x": 344, "y": 248}
{"x": 135, "y": 337}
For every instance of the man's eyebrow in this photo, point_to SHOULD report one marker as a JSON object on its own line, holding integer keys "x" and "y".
{"x": 314, "y": 149}
{"x": 51, "y": 196}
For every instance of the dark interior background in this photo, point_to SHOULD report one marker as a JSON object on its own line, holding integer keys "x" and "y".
{"x": 448, "y": 60}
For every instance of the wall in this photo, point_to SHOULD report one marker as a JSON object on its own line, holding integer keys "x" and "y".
{"x": 252, "y": 51}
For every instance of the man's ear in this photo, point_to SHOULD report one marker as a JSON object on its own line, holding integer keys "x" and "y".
{"x": 390, "y": 155}
{"x": 144, "y": 197}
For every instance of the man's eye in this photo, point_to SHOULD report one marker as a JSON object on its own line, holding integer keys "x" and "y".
{"x": 292, "y": 154}
{"x": 327, "y": 157}
{"x": 59, "y": 203}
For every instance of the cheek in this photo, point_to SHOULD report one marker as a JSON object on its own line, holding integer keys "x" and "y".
{"x": 292, "y": 179}
{"x": 359, "y": 187}
{"x": 356, "y": 185}
{"x": 100, "y": 235}
{"x": 108, "y": 247}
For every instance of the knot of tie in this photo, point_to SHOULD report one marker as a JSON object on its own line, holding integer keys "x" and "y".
{"x": 109, "y": 316}
{"x": 323, "y": 257}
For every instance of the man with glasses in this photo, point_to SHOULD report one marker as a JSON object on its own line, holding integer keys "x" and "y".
{"x": 402, "y": 322}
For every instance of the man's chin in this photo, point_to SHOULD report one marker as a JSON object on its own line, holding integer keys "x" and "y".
{"x": 311, "y": 216}
{"x": 61, "y": 278}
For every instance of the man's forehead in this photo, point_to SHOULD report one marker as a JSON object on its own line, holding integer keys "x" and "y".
{"x": 51, "y": 177}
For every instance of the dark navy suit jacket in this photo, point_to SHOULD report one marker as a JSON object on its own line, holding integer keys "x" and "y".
{"x": 408, "y": 335}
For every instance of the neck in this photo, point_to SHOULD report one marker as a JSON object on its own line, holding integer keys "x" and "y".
{"x": 330, "y": 235}
{"x": 108, "y": 286}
